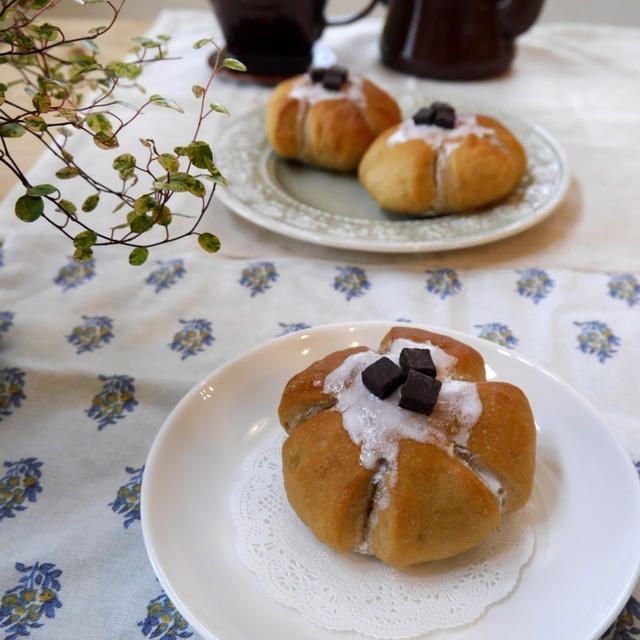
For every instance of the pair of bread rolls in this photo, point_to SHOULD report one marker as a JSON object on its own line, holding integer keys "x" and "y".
{"x": 411, "y": 166}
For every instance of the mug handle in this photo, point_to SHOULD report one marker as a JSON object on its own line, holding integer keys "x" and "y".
{"x": 348, "y": 19}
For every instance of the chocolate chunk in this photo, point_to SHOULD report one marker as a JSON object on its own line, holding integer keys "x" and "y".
{"x": 425, "y": 115}
{"x": 334, "y": 78}
{"x": 445, "y": 118}
{"x": 382, "y": 377}
{"x": 418, "y": 360}
{"x": 317, "y": 73}
{"x": 419, "y": 393}
{"x": 440, "y": 114}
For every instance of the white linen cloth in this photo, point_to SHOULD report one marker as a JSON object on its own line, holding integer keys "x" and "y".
{"x": 77, "y": 340}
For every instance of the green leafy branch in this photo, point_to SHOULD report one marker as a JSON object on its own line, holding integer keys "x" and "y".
{"x": 56, "y": 74}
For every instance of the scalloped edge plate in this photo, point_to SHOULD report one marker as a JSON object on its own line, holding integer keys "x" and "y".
{"x": 334, "y": 210}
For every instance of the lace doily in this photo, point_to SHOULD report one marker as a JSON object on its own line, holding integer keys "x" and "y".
{"x": 356, "y": 592}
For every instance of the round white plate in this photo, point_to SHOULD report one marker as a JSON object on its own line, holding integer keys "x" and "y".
{"x": 586, "y": 501}
{"x": 334, "y": 210}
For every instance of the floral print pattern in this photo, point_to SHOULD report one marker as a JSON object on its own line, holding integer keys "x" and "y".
{"x": 20, "y": 484}
{"x": 258, "y": 277}
{"x": 163, "y": 621}
{"x": 443, "y": 282}
{"x": 596, "y": 338}
{"x": 166, "y": 275}
{"x": 127, "y": 502}
{"x": 292, "y": 327}
{"x": 498, "y": 333}
{"x": 534, "y": 283}
{"x": 11, "y": 390}
{"x": 352, "y": 281}
{"x": 194, "y": 336}
{"x": 35, "y": 595}
{"x": 6, "y": 321}
{"x": 116, "y": 397}
{"x": 92, "y": 334}
{"x": 625, "y": 287}
{"x": 73, "y": 274}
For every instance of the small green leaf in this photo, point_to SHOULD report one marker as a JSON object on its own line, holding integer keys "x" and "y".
{"x": 180, "y": 182}
{"x": 118, "y": 207}
{"x": 140, "y": 223}
{"x": 125, "y": 165}
{"x": 162, "y": 101}
{"x": 128, "y": 105}
{"x": 90, "y": 44}
{"x": 29, "y": 208}
{"x": 41, "y": 102}
{"x": 138, "y": 256}
{"x": 83, "y": 254}
{"x": 198, "y": 91}
{"x": 220, "y": 108}
{"x": 200, "y": 154}
{"x": 162, "y": 217}
{"x": 91, "y": 203}
{"x": 85, "y": 239}
{"x": 105, "y": 140}
{"x": 35, "y": 123}
{"x": 41, "y": 190}
{"x": 198, "y": 189}
{"x": 67, "y": 207}
{"x": 128, "y": 70}
{"x": 217, "y": 177}
{"x": 201, "y": 43}
{"x": 209, "y": 242}
{"x": 98, "y": 122}
{"x": 169, "y": 162}
{"x": 67, "y": 172}
{"x": 235, "y": 65}
{"x": 144, "y": 203}
{"x": 12, "y": 130}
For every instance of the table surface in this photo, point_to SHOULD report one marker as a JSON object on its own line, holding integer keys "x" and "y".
{"x": 94, "y": 357}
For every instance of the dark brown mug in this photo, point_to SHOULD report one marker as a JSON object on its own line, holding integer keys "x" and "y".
{"x": 454, "y": 39}
{"x": 274, "y": 38}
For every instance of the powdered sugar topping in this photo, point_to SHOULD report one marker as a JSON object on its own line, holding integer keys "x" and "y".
{"x": 305, "y": 89}
{"x": 437, "y": 137}
{"x": 377, "y": 426}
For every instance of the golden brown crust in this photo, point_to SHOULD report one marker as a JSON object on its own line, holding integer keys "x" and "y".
{"x": 440, "y": 501}
{"x": 438, "y": 508}
{"x": 332, "y": 134}
{"x": 413, "y": 177}
{"x": 325, "y": 483}
{"x": 303, "y": 396}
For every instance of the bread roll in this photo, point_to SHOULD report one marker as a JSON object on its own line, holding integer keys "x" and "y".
{"x": 366, "y": 475}
{"x": 417, "y": 166}
{"x": 328, "y": 127}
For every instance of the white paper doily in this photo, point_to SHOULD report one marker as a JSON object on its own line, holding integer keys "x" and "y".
{"x": 359, "y": 593}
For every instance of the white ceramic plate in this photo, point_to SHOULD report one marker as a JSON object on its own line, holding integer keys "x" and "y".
{"x": 586, "y": 502}
{"x": 335, "y": 210}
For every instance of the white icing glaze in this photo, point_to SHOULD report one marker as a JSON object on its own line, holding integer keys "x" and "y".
{"x": 438, "y": 137}
{"x": 306, "y": 90}
{"x": 377, "y": 426}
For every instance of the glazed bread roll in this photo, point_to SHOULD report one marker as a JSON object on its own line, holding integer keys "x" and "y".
{"x": 328, "y": 117}
{"x": 446, "y": 164}
{"x": 405, "y": 485}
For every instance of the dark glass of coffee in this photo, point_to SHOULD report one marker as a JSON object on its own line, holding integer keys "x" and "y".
{"x": 274, "y": 38}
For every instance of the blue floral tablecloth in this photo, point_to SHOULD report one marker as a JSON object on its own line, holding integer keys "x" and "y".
{"x": 93, "y": 357}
